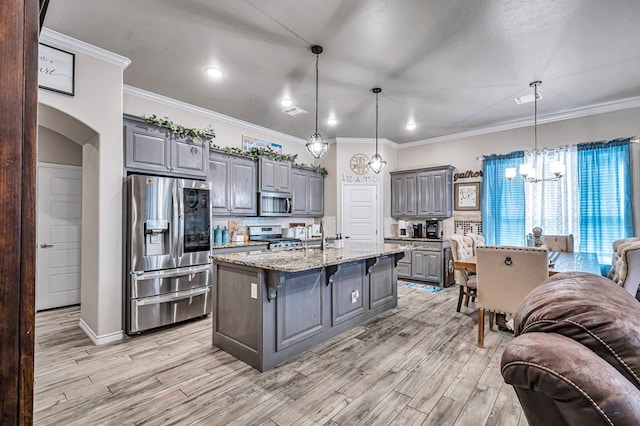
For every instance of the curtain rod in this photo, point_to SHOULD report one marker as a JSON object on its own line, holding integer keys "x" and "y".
{"x": 632, "y": 139}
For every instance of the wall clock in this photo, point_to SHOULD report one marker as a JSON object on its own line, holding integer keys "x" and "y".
{"x": 359, "y": 164}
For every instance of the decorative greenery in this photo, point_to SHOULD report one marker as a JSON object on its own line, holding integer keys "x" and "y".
{"x": 256, "y": 153}
{"x": 209, "y": 133}
{"x": 193, "y": 133}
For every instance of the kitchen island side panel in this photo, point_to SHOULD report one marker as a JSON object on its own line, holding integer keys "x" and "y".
{"x": 237, "y": 314}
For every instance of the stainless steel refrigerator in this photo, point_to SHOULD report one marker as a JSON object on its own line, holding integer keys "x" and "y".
{"x": 168, "y": 241}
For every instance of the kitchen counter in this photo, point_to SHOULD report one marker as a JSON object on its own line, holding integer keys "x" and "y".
{"x": 435, "y": 240}
{"x": 272, "y": 305}
{"x": 238, "y": 244}
{"x": 300, "y": 259}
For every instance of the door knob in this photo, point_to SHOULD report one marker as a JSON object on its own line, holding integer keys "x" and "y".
{"x": 45, "y": 245}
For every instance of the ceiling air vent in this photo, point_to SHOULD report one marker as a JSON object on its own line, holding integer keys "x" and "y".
{"x": 294, "y": 111}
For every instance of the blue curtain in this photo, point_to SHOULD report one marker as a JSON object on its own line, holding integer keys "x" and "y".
{"x": 503, "y": 209}
{"x": 604, "y": 179}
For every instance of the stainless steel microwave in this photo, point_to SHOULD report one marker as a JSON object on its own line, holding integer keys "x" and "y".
{"x": 274, "y": 204}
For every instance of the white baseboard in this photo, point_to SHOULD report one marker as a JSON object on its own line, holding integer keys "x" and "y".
{"x": 100, "y": 340}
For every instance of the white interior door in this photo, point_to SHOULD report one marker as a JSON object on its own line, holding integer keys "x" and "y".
{"x": 59, "y": 225}
{"x": 359, "y": 212}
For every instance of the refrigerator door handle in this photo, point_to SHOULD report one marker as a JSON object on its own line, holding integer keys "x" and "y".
{"x": 191, "y": 271}
{"x": 175, "y": 236}
{"x": 172, "y": 297}
{"x": 180, "y": 222}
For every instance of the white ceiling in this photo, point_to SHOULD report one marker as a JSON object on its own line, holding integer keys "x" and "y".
{"x": 451, "y": 66}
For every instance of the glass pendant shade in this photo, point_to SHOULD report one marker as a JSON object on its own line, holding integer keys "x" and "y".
{"x": 376, "y": 163}
{"x": 317, "y": 146}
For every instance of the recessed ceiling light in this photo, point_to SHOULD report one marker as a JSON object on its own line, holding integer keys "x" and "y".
{"x": 332, "y": 121}
{"x": 286, "y": 102}
{"x": 411, "y": 126}
{"x": 214, "y": 72}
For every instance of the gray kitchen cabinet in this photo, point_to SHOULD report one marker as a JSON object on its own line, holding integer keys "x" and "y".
{"x": 435, "y": 193}
{"x": 275, "y": 176}
{"x": 422, "y": 193}
{"x": 404, "y": 264}
{"x": 233, "y": 185}
{"x": 154, "y": 149}
{"x": 307, "y": 192}
{"x": 429, "y": 261}
{"x": 403, "y": 194}
{"x": 426, "y": 265}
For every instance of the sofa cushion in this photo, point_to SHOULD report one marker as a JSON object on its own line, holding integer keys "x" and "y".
{"x": 593, "y": 311}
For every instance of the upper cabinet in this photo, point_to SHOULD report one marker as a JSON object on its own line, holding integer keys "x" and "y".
{"x": 403, "y": 194}
{"x": 154, "y": 149}
{"x": 307, "y": 192}
{"x": 423, "y": 193}
{"x": 233, "y": 185}
{"x": 275, "y": 176}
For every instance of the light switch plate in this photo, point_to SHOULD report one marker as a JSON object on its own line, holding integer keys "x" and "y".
{"x": 254, "y": 290}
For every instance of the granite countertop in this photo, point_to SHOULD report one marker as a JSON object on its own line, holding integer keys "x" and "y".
{"x": 238, "y": 244}
{"x": 296, "y": 260}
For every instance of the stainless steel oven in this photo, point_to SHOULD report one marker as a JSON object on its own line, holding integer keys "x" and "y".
{"x": 274, "y": 204}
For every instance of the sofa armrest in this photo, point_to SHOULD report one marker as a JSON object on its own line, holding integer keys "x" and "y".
{"x": 561, "y": 382}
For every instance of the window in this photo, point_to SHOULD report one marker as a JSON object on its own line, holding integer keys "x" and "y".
{"x": 592, "y": 200}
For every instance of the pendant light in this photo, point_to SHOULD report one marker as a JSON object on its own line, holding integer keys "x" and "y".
{"x": 316, "y": 145}
{"x": 377, "y": 163}
{"x": 529, "y": 172}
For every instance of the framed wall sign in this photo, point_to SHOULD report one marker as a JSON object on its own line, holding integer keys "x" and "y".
{"x": 56, "y": 69}
{"x": 467, "y": 196}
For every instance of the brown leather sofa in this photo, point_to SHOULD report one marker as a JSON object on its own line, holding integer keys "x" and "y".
{"x": 575, "y": 359}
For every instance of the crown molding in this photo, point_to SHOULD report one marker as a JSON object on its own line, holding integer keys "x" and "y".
{"x": 381, "y": 141}
{"x": 62, "y": 41}
{"x": 602, "y": 108}
{"x": 150, "y": 96}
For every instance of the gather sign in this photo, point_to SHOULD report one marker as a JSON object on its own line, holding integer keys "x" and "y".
{"x": 468, "y": 174}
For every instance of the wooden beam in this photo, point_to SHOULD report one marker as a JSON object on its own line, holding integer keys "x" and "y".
{"x": 18, "y": 124}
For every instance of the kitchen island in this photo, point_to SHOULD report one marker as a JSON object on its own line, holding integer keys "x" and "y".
{"x": 269, "y": 306}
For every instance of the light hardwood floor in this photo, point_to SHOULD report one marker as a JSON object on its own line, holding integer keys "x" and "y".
{"x": 415, "y": 365}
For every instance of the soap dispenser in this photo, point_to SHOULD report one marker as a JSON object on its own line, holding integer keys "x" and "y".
{"x": 225, "y": 235}
{"x": 217, "y": 235}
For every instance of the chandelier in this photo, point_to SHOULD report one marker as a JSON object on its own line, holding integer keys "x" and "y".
{"x": 377, "y": 163}
{"x": 316, "y": 145}
{"x": 528, "y": 172}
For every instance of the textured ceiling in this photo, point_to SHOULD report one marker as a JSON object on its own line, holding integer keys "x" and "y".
{"x": 448, "y": 65}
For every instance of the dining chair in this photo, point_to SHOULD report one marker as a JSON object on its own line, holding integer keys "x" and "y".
{"x": 505, "y": 275}
{"x": 559, "y": 243}
{"x": 626, "y": 268}
{"x": 462, "y": 248}
{"x": 478, "y": 240}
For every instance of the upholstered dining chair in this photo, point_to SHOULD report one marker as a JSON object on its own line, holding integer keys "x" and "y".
{"x": 559, "y": 243}
{"x": 478, "y": 240}
{"x": 462, "y": 248}
{"x": 626, "y": 265}
{"x": 505, "y": 275}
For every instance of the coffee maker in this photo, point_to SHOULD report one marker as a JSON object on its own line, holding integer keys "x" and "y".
{"x": 432, "y": 229}
{"x": 402, "y": 228}
{"x": 417, "y": 230}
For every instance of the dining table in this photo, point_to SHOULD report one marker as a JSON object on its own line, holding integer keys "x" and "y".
{"x": 558, "y": 262}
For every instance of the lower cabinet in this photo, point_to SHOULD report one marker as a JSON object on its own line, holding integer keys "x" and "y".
{"x": 429, "y": 261}
{"x": 426, "y": 265}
